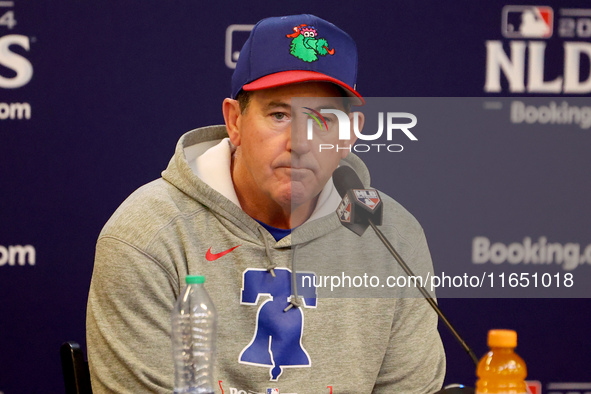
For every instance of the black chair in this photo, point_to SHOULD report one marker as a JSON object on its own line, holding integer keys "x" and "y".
{"x": 75, "y": 369}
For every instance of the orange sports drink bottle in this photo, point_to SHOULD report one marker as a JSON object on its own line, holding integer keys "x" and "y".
{"x": 501, "y": 370}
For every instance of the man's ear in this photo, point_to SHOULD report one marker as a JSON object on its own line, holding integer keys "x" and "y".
{"x": 360, "y": 122}
{"x": 232, "y": 118}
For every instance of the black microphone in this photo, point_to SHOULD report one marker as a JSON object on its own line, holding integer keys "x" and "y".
{"x": 356, "y": 213}
{"x": 358, "y": 206}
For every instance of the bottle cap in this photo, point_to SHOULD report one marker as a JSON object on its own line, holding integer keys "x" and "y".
{"x": 192, "y": 279}
{"x": 502, "y": 338}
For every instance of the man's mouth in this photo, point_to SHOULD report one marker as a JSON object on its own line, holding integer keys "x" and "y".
{"x": 298, "y": 173}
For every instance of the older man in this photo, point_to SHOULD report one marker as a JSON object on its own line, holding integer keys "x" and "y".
{"x": 235, "y": 204}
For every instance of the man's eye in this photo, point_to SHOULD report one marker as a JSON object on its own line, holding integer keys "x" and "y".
{"x": 279, "y": 115}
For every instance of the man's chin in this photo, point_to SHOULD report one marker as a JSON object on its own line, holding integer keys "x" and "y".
{"x": 293, "y": 195}
{"x": 300, "y": 195}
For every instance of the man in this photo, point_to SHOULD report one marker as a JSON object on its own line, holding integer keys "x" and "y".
{"x": 225, "y": 208}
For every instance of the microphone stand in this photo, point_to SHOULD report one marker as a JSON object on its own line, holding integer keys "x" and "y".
{"x": 424, "y": 292}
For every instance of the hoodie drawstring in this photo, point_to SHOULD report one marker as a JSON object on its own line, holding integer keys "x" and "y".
{"x": 294, "y": 299}
{"x": 271, "y": 265}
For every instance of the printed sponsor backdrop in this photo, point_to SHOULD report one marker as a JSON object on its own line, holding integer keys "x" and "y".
{"x": 94, "y": 96}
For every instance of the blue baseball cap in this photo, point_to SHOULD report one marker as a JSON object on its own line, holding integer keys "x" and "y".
{"x": 296, "y": 48}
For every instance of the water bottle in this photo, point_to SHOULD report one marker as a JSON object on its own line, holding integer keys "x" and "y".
{"x": 193, "y": 339}
{"x": 501, "y": 370}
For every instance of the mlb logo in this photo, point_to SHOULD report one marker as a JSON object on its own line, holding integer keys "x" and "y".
{"x": 520, "y": 21}
{"x": 369, "y": 198}
{"x": 533, "y": 386}
{"x": 344, "y": 210}
{"x": 236, "y": 36}
{"x": 272, "y": 391}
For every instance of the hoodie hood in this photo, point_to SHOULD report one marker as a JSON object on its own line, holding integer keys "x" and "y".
{"x": 200, "y": 168}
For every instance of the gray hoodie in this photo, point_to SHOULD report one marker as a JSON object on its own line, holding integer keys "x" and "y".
{"x": 351, "y": 339}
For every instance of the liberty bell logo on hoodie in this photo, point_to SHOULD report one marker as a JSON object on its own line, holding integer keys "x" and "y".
{"x": 277, "y": 341}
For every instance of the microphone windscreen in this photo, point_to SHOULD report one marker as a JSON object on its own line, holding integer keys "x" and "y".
{"x": 345, "y": 178}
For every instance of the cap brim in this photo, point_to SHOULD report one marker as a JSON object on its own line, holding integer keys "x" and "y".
{"x": 296, "y": 76}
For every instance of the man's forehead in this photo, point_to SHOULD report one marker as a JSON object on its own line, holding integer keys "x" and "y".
{"x": 303, "y": 89}
{"x": 323, "y": 95}
{"x": 297, "y": 102}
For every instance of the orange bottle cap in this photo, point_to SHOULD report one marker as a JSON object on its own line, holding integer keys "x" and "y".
{"x": 502, "y": 338}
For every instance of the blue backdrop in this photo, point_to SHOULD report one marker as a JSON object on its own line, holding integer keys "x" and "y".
{"x": 93, "y": 97}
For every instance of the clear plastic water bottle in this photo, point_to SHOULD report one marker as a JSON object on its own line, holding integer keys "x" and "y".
{"x": 194, "y": 321}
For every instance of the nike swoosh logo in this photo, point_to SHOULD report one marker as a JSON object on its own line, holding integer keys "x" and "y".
{"x": 214, "y": 256}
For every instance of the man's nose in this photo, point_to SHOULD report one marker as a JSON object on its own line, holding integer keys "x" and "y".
{"x": 298, "y": 139}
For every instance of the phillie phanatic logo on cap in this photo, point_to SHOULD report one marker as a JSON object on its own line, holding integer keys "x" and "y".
{"x": 291, "y": 49}
{"x": 305, "y": 45}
